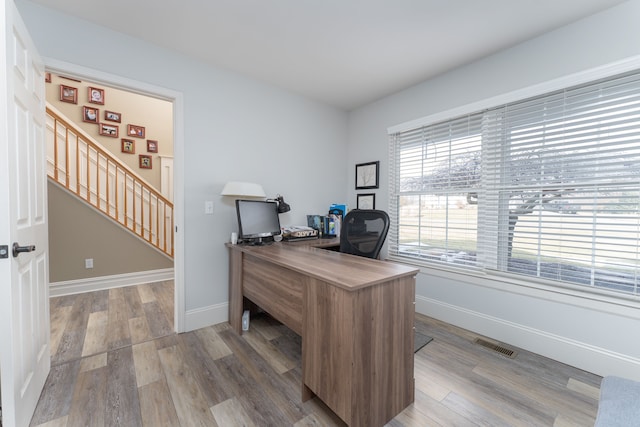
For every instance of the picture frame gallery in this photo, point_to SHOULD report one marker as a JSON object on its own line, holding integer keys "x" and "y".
{"x": 109, "y": 126}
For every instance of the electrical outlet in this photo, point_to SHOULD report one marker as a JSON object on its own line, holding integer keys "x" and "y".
{"x": 88, "y": 263}
{"x": 208, "y": 207}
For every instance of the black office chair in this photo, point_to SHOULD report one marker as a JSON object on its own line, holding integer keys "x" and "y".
{"x": 363, "y": 232}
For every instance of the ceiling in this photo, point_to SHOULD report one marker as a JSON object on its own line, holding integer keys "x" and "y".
{"x": 342, "y": 52}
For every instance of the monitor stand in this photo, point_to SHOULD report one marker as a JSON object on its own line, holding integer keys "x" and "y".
{"x": 257, "y": 242}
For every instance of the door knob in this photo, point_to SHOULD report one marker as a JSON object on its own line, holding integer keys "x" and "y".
{"x": 17, "y": 249}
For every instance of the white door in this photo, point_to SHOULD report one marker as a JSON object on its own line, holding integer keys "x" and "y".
{"x": 24, "y": 293}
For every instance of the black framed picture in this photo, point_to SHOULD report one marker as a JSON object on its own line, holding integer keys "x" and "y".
{"x": 366, "y": 201}
{"x": 367, "y": 175}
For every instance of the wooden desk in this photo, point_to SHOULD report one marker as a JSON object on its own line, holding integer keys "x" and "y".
{"x": 355, "y": 316}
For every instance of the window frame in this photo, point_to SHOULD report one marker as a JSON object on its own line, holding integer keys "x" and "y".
{"x": 584, "y": 77}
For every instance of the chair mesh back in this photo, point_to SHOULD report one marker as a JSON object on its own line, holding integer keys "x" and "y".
{"x": 363, "y": 232}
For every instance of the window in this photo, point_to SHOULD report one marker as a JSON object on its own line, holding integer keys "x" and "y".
{"x": 547, "y": 187}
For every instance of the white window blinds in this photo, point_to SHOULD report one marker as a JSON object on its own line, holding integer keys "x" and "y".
{"x": 436, "y": 175}
{"x": 547, "y": 187}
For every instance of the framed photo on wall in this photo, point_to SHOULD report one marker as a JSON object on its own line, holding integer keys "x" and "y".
{"x": 112, "y": 116}
{"x": 367, "y": 175}
{"x": 90, "y": 114}
{"x": 68, "y": 94}
{"x": 128, "y": 146}
{"x": 152, "y": 146}
{"x": 145, "y": 161}
{"x": 96, "y": 95}
{"x": 109, "y": 130}
{"x": 135, "y": 130}
{"x": 366, "y": 201}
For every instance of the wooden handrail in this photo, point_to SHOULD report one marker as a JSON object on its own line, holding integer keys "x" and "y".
{"x": 102, "y": 180}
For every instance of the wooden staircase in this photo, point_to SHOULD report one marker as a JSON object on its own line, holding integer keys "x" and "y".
{"x": 78, "y": 163}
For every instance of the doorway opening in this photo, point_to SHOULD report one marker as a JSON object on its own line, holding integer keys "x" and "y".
{"x": 154, "y": 148}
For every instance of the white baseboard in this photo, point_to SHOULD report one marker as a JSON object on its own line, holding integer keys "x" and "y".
{"x": 206, "y": 316}
{"x": 584, "y": 356}
{"x": 71, "y": 287}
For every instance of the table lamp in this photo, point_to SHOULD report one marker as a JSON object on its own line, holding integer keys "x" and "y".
{"x": 243, "y": 189}
{"x": 282, "y": 205}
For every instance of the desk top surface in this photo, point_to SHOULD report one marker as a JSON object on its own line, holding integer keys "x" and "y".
{"x": 346, "y": 271}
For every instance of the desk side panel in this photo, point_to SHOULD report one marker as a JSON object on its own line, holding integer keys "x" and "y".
{"x": 275, "y": 289}
{"x": 358, "y": 349}
{"x": 327, "y": 345}
{"x": 383, "y": 383}
{"x": 235, "y": 290}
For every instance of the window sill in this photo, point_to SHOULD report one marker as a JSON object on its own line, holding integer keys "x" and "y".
{"x": 593, "y": 299}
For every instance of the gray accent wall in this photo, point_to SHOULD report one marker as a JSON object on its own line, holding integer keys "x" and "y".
{"x": 77, "y": 232}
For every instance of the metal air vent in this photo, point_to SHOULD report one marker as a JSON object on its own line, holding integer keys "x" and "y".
{"x": 497, "y": 348}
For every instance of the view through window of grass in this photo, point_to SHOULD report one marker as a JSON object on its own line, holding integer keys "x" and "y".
{"x": 547, "y": 258}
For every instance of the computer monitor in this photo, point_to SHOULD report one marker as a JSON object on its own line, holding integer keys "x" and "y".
{"x": 257, "y": 219}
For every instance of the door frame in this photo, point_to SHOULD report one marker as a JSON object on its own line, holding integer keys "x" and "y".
{"x": 176, "y": 98}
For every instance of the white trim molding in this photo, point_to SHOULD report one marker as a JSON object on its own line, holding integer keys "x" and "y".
{"x": 71, "y": 287}
{"x": 206, "y": 316}
{"x": 581, "y": 355}
{"x": 166, "y": 176}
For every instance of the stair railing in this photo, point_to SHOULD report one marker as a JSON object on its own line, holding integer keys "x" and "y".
{"x": 78, "y": 163}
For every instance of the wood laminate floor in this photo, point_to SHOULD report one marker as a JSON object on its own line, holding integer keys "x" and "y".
{"x": 116, "y": 363}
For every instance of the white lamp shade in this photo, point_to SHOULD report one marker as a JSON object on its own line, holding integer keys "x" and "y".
{"x": 243, "y": 189}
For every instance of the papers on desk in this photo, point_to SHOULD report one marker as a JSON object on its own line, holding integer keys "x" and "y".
{"x": 296, "y": 232}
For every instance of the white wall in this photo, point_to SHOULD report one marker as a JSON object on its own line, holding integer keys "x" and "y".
{"x": 597, "y": 336}
{"x": 235, "y": 128}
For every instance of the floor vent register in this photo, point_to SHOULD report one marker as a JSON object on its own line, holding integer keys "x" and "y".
{"x": 497, "y": 348}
